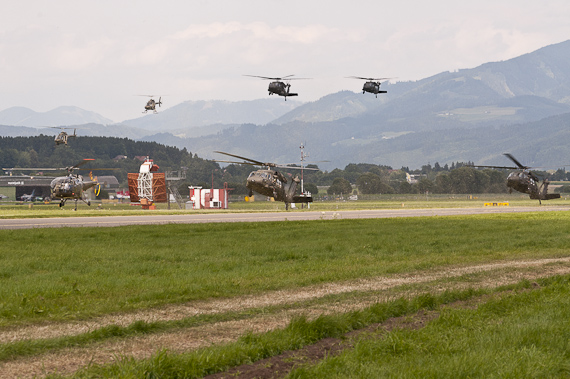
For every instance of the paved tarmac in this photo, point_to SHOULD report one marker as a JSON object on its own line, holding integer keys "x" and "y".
{"x": 189, "y": 218}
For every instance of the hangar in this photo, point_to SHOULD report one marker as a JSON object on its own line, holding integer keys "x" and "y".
{"x": 13, "y": 187}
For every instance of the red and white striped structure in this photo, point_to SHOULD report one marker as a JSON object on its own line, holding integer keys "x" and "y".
{"x": 208, "y": 198}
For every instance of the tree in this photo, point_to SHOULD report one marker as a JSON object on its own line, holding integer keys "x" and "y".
{"x": 370, "y": 183}
{"x": 340, "y": 186}
{"x": 312, "y": 188}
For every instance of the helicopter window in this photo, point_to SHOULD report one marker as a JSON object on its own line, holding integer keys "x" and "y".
{"x": 251, "y": 174}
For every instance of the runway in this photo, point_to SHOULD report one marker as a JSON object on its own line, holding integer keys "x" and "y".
{"x": 188, "y": 218}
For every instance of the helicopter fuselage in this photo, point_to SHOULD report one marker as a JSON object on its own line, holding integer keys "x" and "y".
{"x": 151, "y": 105}
{"x": 281, "y": 89}
{"x": 267, "y": 182}
{"x": 523, "y": 181}
{"x": 62, "y": 137}
{"x": 70, "y": 187}
{"x": 273, "y": 184}
{"x": 372, "y": 87}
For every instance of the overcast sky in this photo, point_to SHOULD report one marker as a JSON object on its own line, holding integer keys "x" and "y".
{"x": 98, "y": 55}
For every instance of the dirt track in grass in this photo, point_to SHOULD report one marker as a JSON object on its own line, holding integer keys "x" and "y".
{"x": 375, "y": 290}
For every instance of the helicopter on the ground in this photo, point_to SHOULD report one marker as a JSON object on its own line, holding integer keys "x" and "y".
{"x": 372, "y": 85}
{"x": 270, "y": 182}
{"x": 525, "y": 181}
{"x": 63, "y": 135}
{"x": 277, "y": 86}
{"x": 72, "y": 186}
{"x": 151, "y": 104}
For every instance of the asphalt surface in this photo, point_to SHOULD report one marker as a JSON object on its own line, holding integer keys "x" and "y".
{"x": 154, "y": 219}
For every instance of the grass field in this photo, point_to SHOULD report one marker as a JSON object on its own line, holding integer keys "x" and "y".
{"x": 518, "y": 335}
{"x": 58, "y": 274}
{"x": 512, "y": 332}
{"x": 51, "y": 276}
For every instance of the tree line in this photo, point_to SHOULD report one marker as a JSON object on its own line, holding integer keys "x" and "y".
{"x": 121, "y": 154}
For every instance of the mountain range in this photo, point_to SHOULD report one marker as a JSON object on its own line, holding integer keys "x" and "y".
{"x": 521, "y": 106}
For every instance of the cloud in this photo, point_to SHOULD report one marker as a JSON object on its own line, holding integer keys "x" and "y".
{"x": 262, "y": 31}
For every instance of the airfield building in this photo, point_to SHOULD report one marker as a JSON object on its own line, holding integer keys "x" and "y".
{"x": 14, "y": 187}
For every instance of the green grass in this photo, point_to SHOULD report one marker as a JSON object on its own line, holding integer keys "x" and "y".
{"x": 252, "y": 347}
{"x": 515, "y": 335}
{"x": 76, "y": 273}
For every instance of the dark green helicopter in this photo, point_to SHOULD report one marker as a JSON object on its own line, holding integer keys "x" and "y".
{"x": 272, "y": 183}
{"x": 372, "y": 85}
{"x": 525, "y": 181}
{"x": 278, "y": 87}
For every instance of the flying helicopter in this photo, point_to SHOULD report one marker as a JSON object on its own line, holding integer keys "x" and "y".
{"x": 525, "y": 181}
{"x": 151, "y": 104}
{"x": 278, "y": 87}
{"x": 270, "y": 182}
{"x": 63, "y": 135}
{"x": 372, "y": 85}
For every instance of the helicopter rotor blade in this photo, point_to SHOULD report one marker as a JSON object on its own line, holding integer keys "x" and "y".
{"x": 297, "y": 167}
{"x": 86, "y": 160}
{"x": 286, "y": 77}
{"x": 504, "y": 167}
{"x": 263, "y": 77}
{"x": 520, "y": 165}
{"x": 234, "y": 162}
{"x": 247, "y": 159}
{"x": 370, "y": 79}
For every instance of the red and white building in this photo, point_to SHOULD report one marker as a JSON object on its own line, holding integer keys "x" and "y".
{"x": 208, "y": 198}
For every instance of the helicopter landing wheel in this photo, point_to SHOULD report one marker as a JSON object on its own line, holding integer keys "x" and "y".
{"x": 60, "y": 205}
{"x": 88, "y": 203}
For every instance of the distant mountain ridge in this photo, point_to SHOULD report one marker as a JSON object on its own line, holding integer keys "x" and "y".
{"x": 195, "y": 114}
{"x": 463, "y": 115}
{"x": 60, "y": 116}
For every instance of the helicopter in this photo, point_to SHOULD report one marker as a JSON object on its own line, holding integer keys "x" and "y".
{"x": 270, "y": 182}
{"x": 63, "y": 136}
{"x": 525, "y": 181}
{"x": 372, "y": 85}
{"x": 278, "y": 87}
{"x": 151, "y": 104}
{"x": 70, "y": 187}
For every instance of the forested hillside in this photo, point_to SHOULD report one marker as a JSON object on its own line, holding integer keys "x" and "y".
{"x": 125, "y": 156}
{"x": 108, "y": 152}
